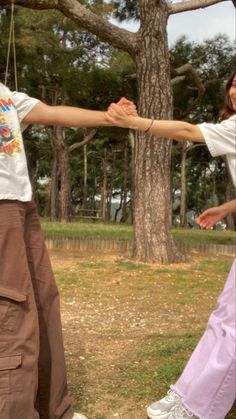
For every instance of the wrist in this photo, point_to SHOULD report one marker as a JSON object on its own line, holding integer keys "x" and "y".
{"x": 106, "y": 120}
{"x": 225, "y": 210}
{"x": 232, "y": 207}
{"x": 132, "y": 122}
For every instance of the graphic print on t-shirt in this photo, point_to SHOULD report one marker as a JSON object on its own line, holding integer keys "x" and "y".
{"x": 9, "y": 140}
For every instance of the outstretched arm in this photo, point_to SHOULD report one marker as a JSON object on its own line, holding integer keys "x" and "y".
{"x": 213, "y": 215}
{"x": 66, "y": 116}
{"x": 179, "y": 130}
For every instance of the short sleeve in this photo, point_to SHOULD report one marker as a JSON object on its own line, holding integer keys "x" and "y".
{"x": 24, "y": 104}
{"x": 220, "y": 138}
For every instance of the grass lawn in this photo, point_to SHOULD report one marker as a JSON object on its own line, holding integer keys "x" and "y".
{"x": 124, "y": 232}
{"x": 130, "y": 327}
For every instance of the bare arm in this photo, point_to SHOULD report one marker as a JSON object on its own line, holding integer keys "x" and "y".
{"x": 213, "y": 215}
{"x": 65, "y": 116}
{"x": 178, "y": 130}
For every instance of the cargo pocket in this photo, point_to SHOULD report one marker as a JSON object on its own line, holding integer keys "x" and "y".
{"x": 10, "y": 377}
{"x": 11, "y": 309}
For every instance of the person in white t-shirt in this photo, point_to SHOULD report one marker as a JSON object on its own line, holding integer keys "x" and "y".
{"x": 207, "y": 386}
{"x": 33, "y": 381}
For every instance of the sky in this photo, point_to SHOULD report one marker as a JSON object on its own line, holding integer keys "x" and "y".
{"x": 200, "y": 24}
{"x": 205, "y": 23}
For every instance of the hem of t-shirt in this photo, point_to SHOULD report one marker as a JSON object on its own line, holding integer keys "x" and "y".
{"x": 15, "y": 198}
{"x": 208, "y": 142}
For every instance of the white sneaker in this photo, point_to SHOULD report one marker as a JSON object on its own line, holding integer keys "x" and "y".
{"x": 162, "y": 408}
{"x": 180, "y": 412}
{"x": 78, "y": 416}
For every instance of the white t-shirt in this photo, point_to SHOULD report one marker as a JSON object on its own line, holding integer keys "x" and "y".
{"x": 14, "y": 178}
{"x": 221, "y": 141}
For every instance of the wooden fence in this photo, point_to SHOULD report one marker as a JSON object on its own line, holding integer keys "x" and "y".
{"x": 125, "y": 247}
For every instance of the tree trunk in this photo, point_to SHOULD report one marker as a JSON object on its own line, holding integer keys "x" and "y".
{"x": 54, "y": 181}
{"x": 152, "y": 156}
{"x": 104, "y": 186}
{"x": 34, "y": 181}
{"x": 132, "y": 142}
{"x": 183, "y": 214}
{"x": 111, "y": 186}
{"x": 124, "y": 215}
{"x": 120, "y": 206}
{"x": 85, "y": 185}
{"x": 229, "y": 196}
{"x": 65, "y": 201}
{"x": 65, "y": 195}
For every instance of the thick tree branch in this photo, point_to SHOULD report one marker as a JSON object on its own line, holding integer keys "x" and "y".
{"x": 74, "y": 10}
{"x": 188, "y": 68}
{"x": 177, "y": 80}
{"x": 188, "y": 5}
{"x": 86, "y": 140}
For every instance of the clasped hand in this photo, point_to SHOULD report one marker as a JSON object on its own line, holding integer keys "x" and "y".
{"x": 122, "y": 113}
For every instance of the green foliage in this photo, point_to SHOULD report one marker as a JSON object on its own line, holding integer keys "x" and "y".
{"x": 125, "y": 9}
{"x": 213, "y": 60}
{"x": 59, "y": 62}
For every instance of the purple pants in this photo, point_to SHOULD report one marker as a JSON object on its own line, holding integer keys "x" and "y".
{"x": 208, "y": 382}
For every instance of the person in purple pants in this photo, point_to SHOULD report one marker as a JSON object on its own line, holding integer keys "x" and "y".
{"x": 207, "y": 386}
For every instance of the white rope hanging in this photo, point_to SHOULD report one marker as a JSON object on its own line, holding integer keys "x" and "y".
{"x": 12, "y": 41}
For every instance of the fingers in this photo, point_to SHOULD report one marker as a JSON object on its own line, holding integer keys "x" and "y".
{"x": 206, "y": 224}
{"x": 208, "y": 218}
{"x": 203, "y": 220}
{"x": 200, "y": 219}
{"x": 116, "y": 109}
{"x": 124, "y": 101}
{"x": 128, "y": 106}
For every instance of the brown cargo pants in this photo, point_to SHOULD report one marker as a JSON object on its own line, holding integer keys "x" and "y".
{"x": 32, "y": 366}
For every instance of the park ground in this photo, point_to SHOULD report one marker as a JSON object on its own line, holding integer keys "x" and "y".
{"x": 130, "y": 327}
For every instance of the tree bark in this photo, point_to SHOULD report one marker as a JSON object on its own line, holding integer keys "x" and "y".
{"x": 104, "y": 186}
{"x": 185, "y": 6}
{"x": 152, "y": 157}
{"x": 229, "y": 196}
{"x": 85, "y": 183}
{"x": 54, "y": 181}
{"x": 183, "y": 212}
{"x": 111, "y": 185}
{"x": 132, "y": 142}
{"x": 124, "y": 215}
{"x": 34, "y": 181}
{"x": 65, "y": 189}
{"x": 120, "y": 206}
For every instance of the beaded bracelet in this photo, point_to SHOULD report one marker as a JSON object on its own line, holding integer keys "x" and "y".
{"x": 150, "y": 126}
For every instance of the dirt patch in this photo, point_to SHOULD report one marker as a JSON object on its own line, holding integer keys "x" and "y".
{"x": 124, "y": 321}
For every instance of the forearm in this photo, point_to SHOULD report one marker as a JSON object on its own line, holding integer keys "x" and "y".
{"x": 228, "y": 208}
{"x": 178, "y": 130}
{"x": 65, "y": 116}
